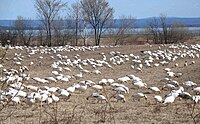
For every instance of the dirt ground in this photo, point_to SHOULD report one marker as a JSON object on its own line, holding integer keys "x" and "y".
{"x": 80, "y": 110}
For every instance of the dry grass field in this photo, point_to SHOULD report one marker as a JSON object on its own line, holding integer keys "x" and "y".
{"x": 77, "y": 109}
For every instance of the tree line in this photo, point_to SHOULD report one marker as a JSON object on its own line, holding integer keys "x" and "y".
{"x": 160, "y": 32}
{"x": 72, "y": 28}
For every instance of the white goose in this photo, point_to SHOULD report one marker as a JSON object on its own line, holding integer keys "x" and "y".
{"x": 138, "y": 96}
{"x": 155, "y": 89}
{"x": 170, "y": 98}
{"x": 97, "y": 96}
{"x": 16, "y": 100}
{"x": 196, "y": 90}
{"x": 97, "y": 87}
{"x": 140, "y": 84}
{"x": 120, "y": 97}
{"x": 158, "y": 98}
{"x": 64, "y": 93}
{"x": 55, "y": 98}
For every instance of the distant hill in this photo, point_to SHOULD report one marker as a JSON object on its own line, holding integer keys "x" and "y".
{"x": 140, "y": 23}
{"x": 189, "y": 22}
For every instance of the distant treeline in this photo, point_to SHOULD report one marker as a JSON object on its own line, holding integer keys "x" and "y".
{"x": 139, "y": 23}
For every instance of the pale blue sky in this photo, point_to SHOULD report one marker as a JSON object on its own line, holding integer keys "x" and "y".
{"x": 10, "y": 9}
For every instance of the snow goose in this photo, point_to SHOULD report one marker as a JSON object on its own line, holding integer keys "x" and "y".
{"x": 167, "y": 69}
{"x": 53, "y": 89}
{"x": 196, "y": 99}
{"x": 174, "y": 82}
{"x": 170, "y": 74}
{"x": 139, "y": 96}
{"x": 110, "y": 81}
{"x": 97, "y": 96}
{"x": 51, "y": 79}
{"x": 196, "y": 90}
{"x": 78, "y": 76}
{"x": 170, "y": 98}
{"x": 40, "y": 80}
{"x": 140, "y": 84}
{"x": 16, "y": 100}
{"x": 103, "y": 82}
{"x": 120, "y": 97}
{"x": 189, "y": 84}
{"x": 71, "y": 89}
{"x": 119, "y": 89}
{"x": 169, "y": 86}
{"x": 64, "y": 93}
{"x": 54, "y": 98}
{"x": 155, "y": 89}
{"x": 81, "y": 87}
{"x": 30, "y": 99}
{"x": 97, "y": 87}
{"x": 124, "y": 79}
{"x": 97, "y": 72}
{"x": 185, "y": 95}
{"x": 158, "y": 98}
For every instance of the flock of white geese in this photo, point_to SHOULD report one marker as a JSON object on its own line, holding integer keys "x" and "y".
{"x": 17, "y": 89}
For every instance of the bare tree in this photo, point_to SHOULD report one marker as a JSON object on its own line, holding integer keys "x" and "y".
{"x": 76, "y": 16}
{"x": 20, "y": 28}
{"x": 24, "y": 30}
{"x": 84, "y": 33}
{"x": 121, "y": 28}
{"x": 1, "y": 36}
{"x": 63, "y": 31}
{"x": 164, "y": 27}
{"x": 47, "y": 12}
{"x": 69, "y": 32}
{"x": 58, "y": 26}
{"x": 152, "y": 28}
{"x": 164, "y": 32}
{"x": 8, "y": 37}
{"x": 178, "y": 32}
{"x": 40, "y": 37}
{"x": 97, "y": 13}
{"x": 5, "y": 36}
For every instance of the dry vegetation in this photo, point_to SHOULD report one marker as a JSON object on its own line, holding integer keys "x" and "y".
{"x": 78, "y": 109}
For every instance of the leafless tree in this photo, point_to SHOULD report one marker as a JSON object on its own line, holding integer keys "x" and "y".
{"x": 77, "y": 17}
{"x": 164, "y": 27}
{"x": 40, "y": 37}
{"x": 20, "y": 27}
{"x": 5, "y": 35}
{"x": 47, "y": 11}
{"x": 178, "y": 32}
{"x": 8, "y": 37}
{"x": 24, "y": 31}
{"x": 63, "y": 31}
{"x": 84, "y": 33}
{"x": 58, "y": 26}
{"x": 97, "y": 13}
{"x": 69, "y": 32}
{"x": 121, "y": 28}
{"x": 164, "y": 32}
{"x": 1, "y": 36}
{"x": 153, "y": 29}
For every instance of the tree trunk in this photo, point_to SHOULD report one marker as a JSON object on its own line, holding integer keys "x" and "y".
{"x": 76, "y": 32}
{"x": 95, "y": 36}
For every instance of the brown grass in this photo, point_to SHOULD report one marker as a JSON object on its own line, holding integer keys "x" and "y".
{"x": 78, "y": 110}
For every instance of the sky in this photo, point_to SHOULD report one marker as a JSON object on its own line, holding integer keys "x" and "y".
{"x": 10, "y": 9}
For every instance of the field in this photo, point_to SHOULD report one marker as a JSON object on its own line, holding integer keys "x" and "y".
{"x": 78, "y": 109}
